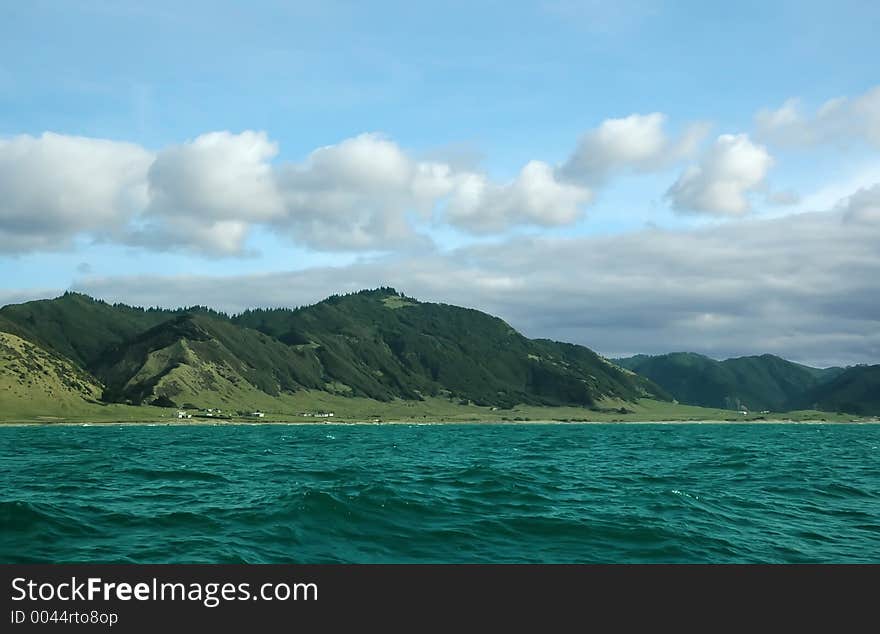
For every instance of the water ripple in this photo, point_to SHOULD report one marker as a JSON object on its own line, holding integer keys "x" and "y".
{"x": 457, "y": 493}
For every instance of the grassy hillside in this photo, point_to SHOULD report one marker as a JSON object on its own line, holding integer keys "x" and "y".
{"x": 195, "y": 359}
{"x": 756, "y": 383}
{"x": 31, "y": 378}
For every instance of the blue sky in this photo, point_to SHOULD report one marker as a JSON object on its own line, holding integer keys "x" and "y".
{"x": 480, "y": 89}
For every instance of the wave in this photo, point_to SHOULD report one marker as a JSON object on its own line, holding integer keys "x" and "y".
{"x": 175, "y": 474}
{"x": 439, "y": 494}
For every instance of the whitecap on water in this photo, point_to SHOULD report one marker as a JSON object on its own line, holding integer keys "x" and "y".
{"x": 684, "y": 494}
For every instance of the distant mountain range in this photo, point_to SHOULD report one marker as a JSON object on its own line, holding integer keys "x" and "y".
{"x": 377, "y": 344}
{"x": 758, "y": 383}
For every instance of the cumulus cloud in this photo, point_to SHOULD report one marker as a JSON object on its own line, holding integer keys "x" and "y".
{"x": 638, "y": 142}
{"x": 719, "y": 184}
{"x": 205, "y": 194}
{"x": 217, "y": 176}
{"x": 535, "y": 197}
{"x": 56, "y": 186}
{"x": 838, "y": 121}
{"x": 357, "y": 194}
{"x": 728, "y": 290}
{"x": 364, "y": 193}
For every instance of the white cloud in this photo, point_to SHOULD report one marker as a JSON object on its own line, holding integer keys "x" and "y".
{"x": 217, "y": 176}
{"x": 363, "y": 194}
{"x": 839, "y": 121}
{"x": 638, "y": 142}
{"x": 535, "y": 197}
{"x": 215, "y": 238}
{"x": 53, "y": 187}
{"x": 205, "y": 195}
{"x": 357, "y": 194}
{"x": 719, "y": 184}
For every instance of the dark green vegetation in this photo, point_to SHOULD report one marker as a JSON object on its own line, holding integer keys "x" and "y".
{"x": 76, "y": 326}
{"x": 376, "y": 345}
{"x": 382, "y": 345}
{"x": 760, "y": 383}
{"x": 856, "y": 390}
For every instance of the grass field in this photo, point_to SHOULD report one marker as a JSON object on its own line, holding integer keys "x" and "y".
{"x": 291, "y": 407}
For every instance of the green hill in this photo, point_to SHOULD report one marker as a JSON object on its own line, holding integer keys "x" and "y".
{"x": 756, "y": 383}
{"x": 204, "y": 361}
{"x": 855, "y": 390}
{"x": 384, "y": 345}
{"x": 30, "y": 377}
{"x": 374, "y": 344}
{"x": 78, "y": 327}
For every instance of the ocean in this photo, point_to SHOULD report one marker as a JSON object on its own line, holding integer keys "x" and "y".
{"x": 617, "y": 493}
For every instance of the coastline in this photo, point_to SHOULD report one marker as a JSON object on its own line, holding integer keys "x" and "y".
{"x": 344, "y": 423}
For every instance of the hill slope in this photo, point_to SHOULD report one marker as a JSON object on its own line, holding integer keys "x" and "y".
{"x": 204, "y": 361}
{"x": 763, "y": 382}
{"x": 78, "y": 327}
{"x": 856, "y": 391}
{"x": 30, "y": 377}
{"x": 374, "y": 344}
{"x": 384, "y": 345}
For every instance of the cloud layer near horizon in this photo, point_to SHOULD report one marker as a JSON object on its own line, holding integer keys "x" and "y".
{"x": 803, "y": 287}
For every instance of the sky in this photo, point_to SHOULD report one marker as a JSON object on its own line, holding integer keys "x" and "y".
{"x": 634, "y": 176}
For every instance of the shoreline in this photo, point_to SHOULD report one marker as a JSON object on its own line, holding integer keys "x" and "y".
{"x": 780, "y": 421}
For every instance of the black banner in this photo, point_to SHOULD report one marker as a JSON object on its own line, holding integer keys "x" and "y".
{"x": 283, "y": 598}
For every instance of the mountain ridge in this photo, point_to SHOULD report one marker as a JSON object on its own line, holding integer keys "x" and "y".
{"x": 377, "y": 344}
{"x": 754, "y": 382}
{"x": 382, "y": 345}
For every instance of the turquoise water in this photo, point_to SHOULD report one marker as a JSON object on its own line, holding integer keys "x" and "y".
{"x": 450, "y": 493}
